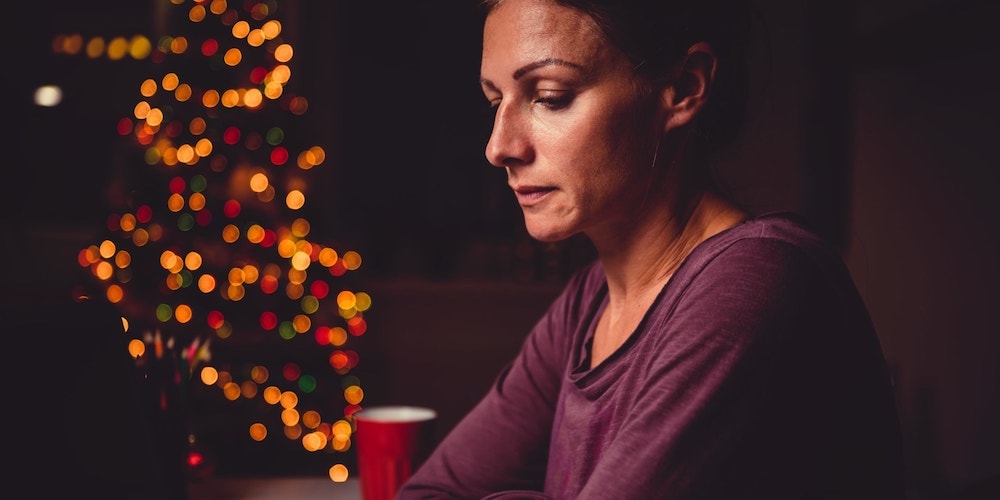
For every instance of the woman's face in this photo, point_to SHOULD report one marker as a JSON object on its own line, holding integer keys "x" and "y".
{"x": 575, "y": 134}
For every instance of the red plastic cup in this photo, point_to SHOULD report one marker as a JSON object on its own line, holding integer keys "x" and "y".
{"x": 391, "y": 442}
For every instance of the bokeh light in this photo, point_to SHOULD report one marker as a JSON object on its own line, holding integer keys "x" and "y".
{"x": 209, "y": 241}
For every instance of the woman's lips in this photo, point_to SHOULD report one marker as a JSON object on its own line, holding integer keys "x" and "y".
{"x": 531, "y": 195}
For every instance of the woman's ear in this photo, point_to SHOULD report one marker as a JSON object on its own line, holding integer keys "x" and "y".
{"x": 688, "y": 92}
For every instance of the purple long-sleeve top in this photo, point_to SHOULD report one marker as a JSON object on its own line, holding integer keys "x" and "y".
{"x": 756, "y": 373}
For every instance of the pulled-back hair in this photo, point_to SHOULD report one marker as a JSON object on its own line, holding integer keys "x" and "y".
{"x": 655, "y": 36}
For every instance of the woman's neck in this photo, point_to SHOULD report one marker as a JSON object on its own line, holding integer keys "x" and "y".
{"x": 640, "y": 262}
{"x": 645, "y": 256}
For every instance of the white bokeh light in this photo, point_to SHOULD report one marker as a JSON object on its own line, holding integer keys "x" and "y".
{"x": 48, "y": 96}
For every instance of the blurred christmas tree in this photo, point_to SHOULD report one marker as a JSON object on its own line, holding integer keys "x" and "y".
{"x": 232, "y": 296}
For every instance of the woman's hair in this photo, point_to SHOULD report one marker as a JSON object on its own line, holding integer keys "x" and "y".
{"x": 655, "y": 36}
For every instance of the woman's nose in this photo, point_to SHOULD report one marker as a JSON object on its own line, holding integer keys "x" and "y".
{"x": 509, "y": 142}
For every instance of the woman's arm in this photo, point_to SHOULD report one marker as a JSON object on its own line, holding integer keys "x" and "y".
{"x": 502, "y": 444}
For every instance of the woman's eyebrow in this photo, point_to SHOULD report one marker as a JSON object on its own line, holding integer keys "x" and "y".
{"x": 523, "y": 70}
{"x": 527, "y": 68}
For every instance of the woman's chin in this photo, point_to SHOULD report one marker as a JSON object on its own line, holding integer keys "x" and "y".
{"x": 547, "y": 232}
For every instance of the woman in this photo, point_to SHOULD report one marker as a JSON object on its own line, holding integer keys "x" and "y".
{"x": 706, "y": 353}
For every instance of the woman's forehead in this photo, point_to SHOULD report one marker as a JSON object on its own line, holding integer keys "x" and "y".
{"x": 526, "y": 30}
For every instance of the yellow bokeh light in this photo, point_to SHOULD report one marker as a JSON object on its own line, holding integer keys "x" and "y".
{"x": 272, "y": 395}
{"x": 283, "y": 53}
{"x": 354, "y": 394}
{"x": 72, "y": 44}
{"x": 311, "y": 419}
{"x": 341, "y": 429}
{"x": 185, "y": 154}
{"x": 281, "y": 73}
{"x": 103, "y": 270}
{"x": 197, "y": 13}
{"x": 140, "y": 47}
{"x": 136, "y": 348}
{"x": 271, "y": 29}
{"x": 203, "y": 147}
{"x": 218, "y": 7}
{"x": 210, "y": 98}
{"x": 107, "y": 249}
{"x": 293, "y": 432}
{"x": 206, "y": 283}
{"x": 286, "y": 248}
{"x": 338, "y": 336}
{"x": 230, "y": 98}
{"x": 168, "y": 259}
{"x": 115, "y": 294}
{"x": 250, "y": 274}
{"x": 258, "y": 432}
{"x": 338, "y": 473}
{"x": 170, "y": 81}
{"x": 300, "y": 261}
{"x": 236, "y": 292}
{"x": 175, "y": 202}
{"x": 289, "y": 399}
{"x": 179, "y": 45}
{"x": 236, "y": 276}
{"x": 193, "y": 261}
{"x": 294, "y": 291}
{"x": 352, "y": 260}
{"x": 255, "y": 38}
{"x": 174, "y": 281}
{"x": 231, "y": 391}
{"x": 249, "y": 389}
{"x": 209, "y": 375}
{"x": 183, "y": 313}
{"x": 290, "y": 417}
{"x": 241, "y": 29}
{"x": 258, "y": 182}
{"x": 295, "y": 199}
{"x": 232, "y": 57}
{"x": 230, "y": 233}
{"x": 314, "y": 441}
{"x": 255, "y": 233}
{"x": 301, "y": 323}
{"x": 346, "y": 299}
{"x": 328, "y": 257}
{"x": 197, "y": 125}
{"x": 183, "y": 92}
{"x": 123, "y": 259}
{"x": 141, "y": 110}
{"x": 259, "y": 374}
{"x": 117, "y": 48}
{"x": 273, "y": 90}
{"x": 148, "y": 87}
{"x": 253, "y": 98}
{"x": 127, "y": 222}
{"x": 95, "y": 48}
{"x": 301, "y": 227}
{"x": 341, "y": 444}
{"x": 197, "y": 201}
{"x": 363, "y": 301}
{"x": 155, "y": 117}
{"x": 140, "y": 237}
{"x": 224, "y": 331}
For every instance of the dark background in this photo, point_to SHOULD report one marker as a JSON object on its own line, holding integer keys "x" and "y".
{"x": 875, "y": 119}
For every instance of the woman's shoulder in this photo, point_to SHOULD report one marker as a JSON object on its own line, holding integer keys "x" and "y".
{"x": 785, "y": 229}
{"x": 777, "y": 243}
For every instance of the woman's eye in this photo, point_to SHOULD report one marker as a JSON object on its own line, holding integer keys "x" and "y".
{"x": 554, "y": 100}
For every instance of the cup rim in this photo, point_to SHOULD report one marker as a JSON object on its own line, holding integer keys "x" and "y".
{"x": 396, "y": 413}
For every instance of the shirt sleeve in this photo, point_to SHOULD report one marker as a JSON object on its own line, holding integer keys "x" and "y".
{"x": 502, "y": 443}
